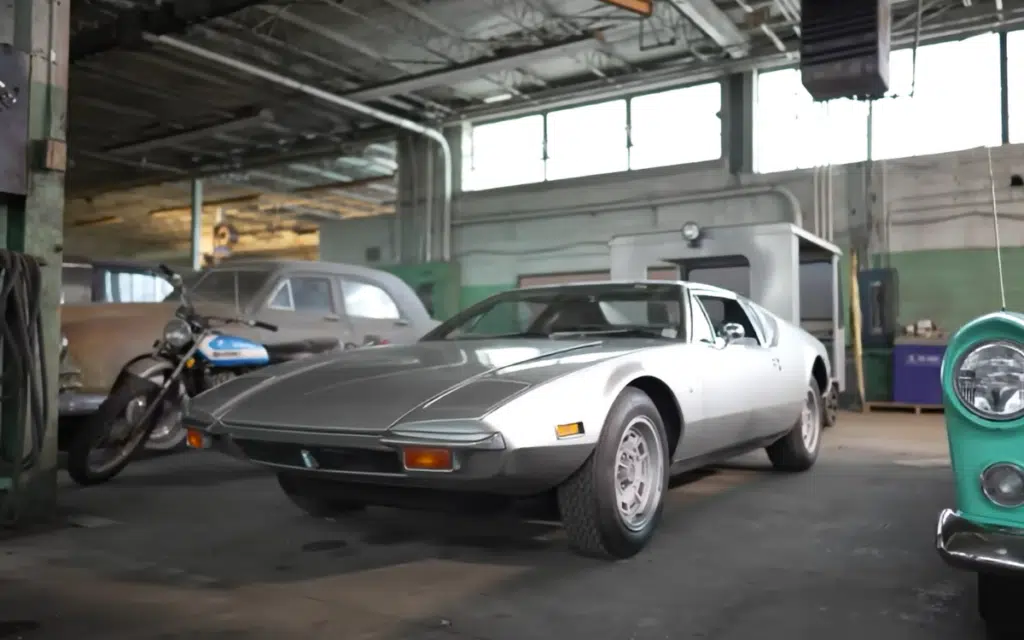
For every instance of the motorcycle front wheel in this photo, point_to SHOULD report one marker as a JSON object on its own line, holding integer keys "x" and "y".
{"x": 104, "y": 446}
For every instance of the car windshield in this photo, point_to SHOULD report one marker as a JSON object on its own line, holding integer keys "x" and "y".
{"x": 238, "y": 286}
{"x": 623, "y": 310}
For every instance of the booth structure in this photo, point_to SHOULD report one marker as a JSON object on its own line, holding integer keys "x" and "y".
{"x": 778, "y": 265}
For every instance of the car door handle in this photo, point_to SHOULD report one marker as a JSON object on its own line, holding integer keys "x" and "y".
{"x": 401, "y": 322}
{"x": 332, "y": 318}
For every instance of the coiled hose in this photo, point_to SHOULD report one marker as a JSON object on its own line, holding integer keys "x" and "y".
{"x": 24, "y": 375}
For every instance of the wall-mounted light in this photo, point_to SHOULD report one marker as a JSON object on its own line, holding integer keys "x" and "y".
{"x": 692, "y": 233}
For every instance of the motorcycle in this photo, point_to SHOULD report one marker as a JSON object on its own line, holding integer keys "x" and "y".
{"x": 193, "y": 355}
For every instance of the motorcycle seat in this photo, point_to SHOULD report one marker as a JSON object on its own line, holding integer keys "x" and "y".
{"x": 291, "y": 350}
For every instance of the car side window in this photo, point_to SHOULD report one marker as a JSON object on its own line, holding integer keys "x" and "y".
{"x": 304, "y": 294}
{"x": 769, "y": 327}
{"x": 365, "y": 300}
{"x": 702, "y": 330}
{"x": 723, "y": 311}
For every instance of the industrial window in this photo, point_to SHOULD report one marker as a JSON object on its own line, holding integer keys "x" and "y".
{"x": 587, "y": 141}
{"x": 1015, "y": 63}
{"x": 792, "y": 131}
{"x": 955, "y": 103}
{"x": 676, "y": 127}
{"x": 504, "y": 154}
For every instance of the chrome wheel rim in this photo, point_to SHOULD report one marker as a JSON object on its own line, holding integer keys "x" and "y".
{"x": 810, "y": 422}
{"x": 639, "y": 473}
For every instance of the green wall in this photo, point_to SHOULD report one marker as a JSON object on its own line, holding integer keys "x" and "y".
{"x": 952, "y": 286}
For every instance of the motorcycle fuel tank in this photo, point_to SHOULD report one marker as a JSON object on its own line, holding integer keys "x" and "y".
{"x": 232, "y": 351}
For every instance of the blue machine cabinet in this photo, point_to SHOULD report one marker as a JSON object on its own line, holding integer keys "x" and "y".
{"x": 916, "y": 363}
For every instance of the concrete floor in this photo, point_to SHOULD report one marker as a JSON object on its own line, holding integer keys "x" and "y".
{"x": 202, "y": 547}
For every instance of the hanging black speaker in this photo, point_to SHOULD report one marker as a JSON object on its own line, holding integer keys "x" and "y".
{"x": 844, "y": 48}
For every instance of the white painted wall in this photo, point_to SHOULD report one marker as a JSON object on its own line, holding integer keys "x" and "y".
{"x": 935, "y": 202}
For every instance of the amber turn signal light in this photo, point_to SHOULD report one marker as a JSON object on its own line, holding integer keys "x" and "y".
{"x": 195, "y": 439}
{"x": 569, "y": 430}
{"x": 424, "y": 459}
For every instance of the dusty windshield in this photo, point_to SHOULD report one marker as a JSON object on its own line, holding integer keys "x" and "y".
{"x": 233, "y": 286}
{"x": 640, "y": 310}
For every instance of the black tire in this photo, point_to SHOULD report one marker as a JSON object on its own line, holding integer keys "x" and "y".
{"x": 791, "y": 452}
{"x": 587, "y": 500}
{"x": 999, "y": 599}
{"x": 317, "y": 499}
{"x": 85, "y": 439}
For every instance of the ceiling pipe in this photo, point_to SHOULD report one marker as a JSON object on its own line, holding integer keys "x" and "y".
{"x": 327, "y": 96}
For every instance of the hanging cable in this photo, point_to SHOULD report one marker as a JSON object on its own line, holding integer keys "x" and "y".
{"x": 23, "y": 384}
{"x": 917, "y": 45}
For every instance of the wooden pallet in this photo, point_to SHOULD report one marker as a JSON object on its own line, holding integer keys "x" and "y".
{"x": 916, "y": 409}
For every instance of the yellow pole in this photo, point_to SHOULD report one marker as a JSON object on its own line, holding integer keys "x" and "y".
{"x": 858, "y": 348}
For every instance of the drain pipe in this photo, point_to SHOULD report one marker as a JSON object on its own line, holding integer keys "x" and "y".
{"x": 327, "y": 96}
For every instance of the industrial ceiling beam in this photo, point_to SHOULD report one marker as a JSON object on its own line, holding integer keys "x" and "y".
{"x": 475, "y": 69}
{"x": 162, "y": 18}
{"x": 313, "y": 150}
{"x": 716, "y": 24}
{"x": 184, "y": 137}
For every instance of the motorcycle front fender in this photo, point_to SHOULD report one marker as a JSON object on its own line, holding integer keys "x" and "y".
{"x": 146, "y": 367}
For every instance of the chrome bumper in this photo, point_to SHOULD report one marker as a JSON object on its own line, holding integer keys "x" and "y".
{"x": 966, "y": 545}
{"x": 74, "y": 403}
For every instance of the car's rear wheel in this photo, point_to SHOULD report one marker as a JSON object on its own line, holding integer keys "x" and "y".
{"x": 612, "y": 505}
{"x": 317, "y": 498}
{"x": 798, "y": 449}
{"x": 999, "y": 599}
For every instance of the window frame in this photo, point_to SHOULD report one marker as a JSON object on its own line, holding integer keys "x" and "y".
{"x": 728, "y": 297}
{"x": 286, "y": 280}
{"x": 402, "y": 315}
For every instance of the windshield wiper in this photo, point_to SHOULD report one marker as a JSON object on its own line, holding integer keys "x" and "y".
{"x": 629, "y": 332}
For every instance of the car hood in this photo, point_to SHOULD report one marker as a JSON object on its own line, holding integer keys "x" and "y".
{"x": 370, "y": 390}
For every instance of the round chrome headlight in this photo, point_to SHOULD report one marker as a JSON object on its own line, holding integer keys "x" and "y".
{"x": 177, "y": 333}
{"x": 989, "y": 380}
{"x": 1003, "y": 484}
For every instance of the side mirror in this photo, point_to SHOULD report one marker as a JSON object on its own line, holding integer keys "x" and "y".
{"x": 732, "y": 331}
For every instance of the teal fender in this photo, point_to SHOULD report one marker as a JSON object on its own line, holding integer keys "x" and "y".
{"x": 975, "y": 442}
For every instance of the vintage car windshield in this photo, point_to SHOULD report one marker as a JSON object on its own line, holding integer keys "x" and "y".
{"x": 233, "y": 286}
{"x": 627, "y": 310}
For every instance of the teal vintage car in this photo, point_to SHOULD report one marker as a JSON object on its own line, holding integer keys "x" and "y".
{"x": 983, "y": 391}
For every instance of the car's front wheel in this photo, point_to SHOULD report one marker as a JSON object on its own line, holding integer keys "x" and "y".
{"x": 611, "y": 506}
{"x": 999, "y": 599}
{"x": 798, "y": 449}
{"x": 316, "y": 498}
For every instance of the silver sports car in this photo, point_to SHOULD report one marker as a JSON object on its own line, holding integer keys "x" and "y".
{"x": 594, "y": 394}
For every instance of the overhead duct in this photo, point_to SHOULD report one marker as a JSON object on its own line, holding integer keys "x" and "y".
{"x": 341, "y": 101}
{"x": 844, "y": 48}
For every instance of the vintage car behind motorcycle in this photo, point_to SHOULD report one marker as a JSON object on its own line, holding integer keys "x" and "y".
{"x": 192, "y": 356}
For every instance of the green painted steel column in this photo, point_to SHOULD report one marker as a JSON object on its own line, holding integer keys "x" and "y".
{"x": 35, "y": 32}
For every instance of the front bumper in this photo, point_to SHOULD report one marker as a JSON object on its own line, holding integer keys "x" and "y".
{"x": 967, "y": 545}
{"x": 484, "y": 462}
{"x": 76, "y": 403}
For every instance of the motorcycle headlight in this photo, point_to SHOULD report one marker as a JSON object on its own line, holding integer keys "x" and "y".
{"x": 989, "y": 380}
{"x": 63, "y": 346}
{"x": 177, "y": 333}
